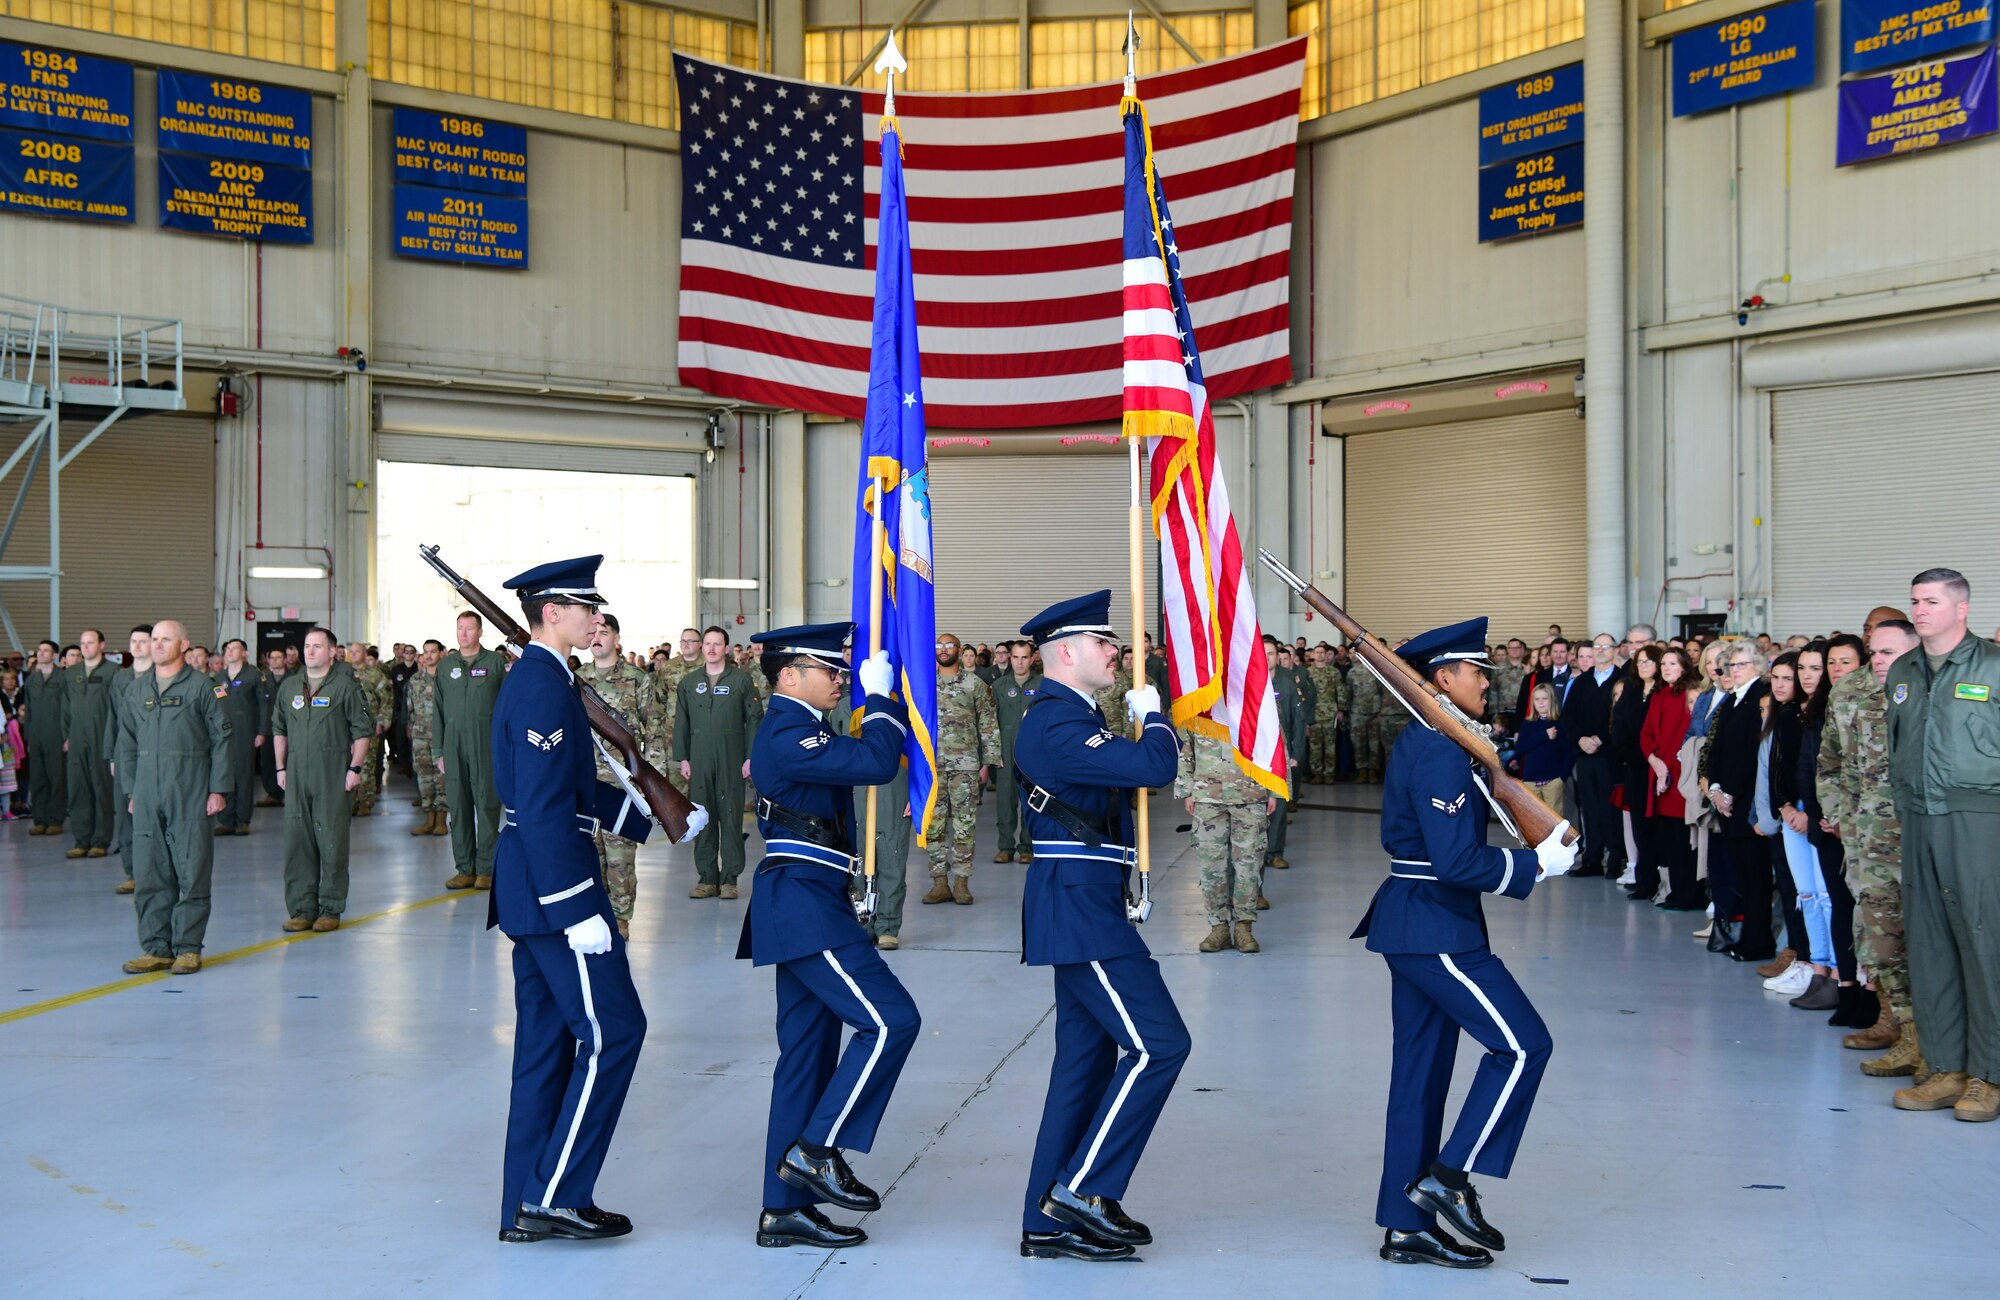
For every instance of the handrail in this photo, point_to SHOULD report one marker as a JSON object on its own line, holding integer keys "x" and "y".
{"x": 33, "y": 335}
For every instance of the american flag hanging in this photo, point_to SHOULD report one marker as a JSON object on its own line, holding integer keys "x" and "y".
{"x": 1219, "y": 678}
{"x": 1015, "y": 205}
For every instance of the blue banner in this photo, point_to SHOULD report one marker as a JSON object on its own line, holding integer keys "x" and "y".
{"x": 461, "y": 153}
{"x": 461, "y": 226}
{"x": 1924, "y": 106}
{"x": 43, "y": 89}
{"x": 1531, "y": 115}
{"x": 1878, "y": 33}
{"x": 1743, "y": 58}
{"x": 238, "y": 200}
{"x": 226, "y": 118}
{"x": 1532, "y": 195}
{"x": 51, "y": 176}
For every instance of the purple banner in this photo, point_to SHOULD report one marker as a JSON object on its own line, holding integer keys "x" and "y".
{"x": 1924, "y": 106}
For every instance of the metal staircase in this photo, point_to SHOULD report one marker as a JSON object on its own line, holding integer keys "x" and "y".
{"x": 104, "y": 363}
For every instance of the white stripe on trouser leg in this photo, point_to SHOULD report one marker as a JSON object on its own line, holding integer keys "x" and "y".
{"x": 1111, "y": 1116}
{"x": 881, "y": 1041}
{"x": 1513, "y": 1044}
{"x": 589, "y": 1081}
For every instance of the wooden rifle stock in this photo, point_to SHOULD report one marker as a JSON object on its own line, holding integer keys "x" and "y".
{"x": 1530, "y": 815}
{"x": 669, "y": 806}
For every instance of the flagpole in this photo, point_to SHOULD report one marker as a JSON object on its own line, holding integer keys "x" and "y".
{"x": 1138, "y": 568}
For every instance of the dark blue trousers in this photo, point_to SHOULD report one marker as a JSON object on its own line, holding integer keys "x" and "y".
{"x": 1435, "y": 995}
{"x": 578, "y": 1027}
{"x": 820, "y": 1094}
{"x": 1102, "y": 1105}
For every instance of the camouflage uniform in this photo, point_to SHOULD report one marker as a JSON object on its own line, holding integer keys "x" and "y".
{"x": 1112, "y": 700}
{"x": 380, "y": 694}
{"x": 1364, "y": 722}
{"x": 1854, "y": 795}
{"x": 421, "y": 704}
{"x": 1390, "y": 724}
{"x": 1229, "y": 828}
{"x": 1324, "y": 732}
{"x": 968, "y": 738}
{"x": 631, "y": 694}
{"x": 668, "y": 682}
{"x": 1505, "y": 691}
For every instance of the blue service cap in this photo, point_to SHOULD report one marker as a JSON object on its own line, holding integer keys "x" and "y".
{"x": 574, "y": 581}
{"x": 821, "y": 642}
{"x": 1454, "y": 643}
{"x": 1085, "y": 615}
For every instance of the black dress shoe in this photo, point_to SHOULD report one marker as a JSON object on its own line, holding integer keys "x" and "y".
{"x": 1433, "y": 1247}
{"x": 1072, "y": 1243}
{"x": 829, "y": 1179}
{"x": 516, "y": 1236}
{"x": 586, "y": 1224}
{"x": 1592, "y": 870}
{"x": 1100, "y": 1216}
{"x": 1460, "y": 1206}
{"x": 805, "y": 1226}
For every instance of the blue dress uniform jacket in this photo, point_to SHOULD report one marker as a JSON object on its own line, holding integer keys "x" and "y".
{"x": 1427, "y": 923}
{"x": 1073, "y": 905}
{"x": 800, "y": 903}
{"x": 1434, "y": 829}
{"x": 578, "y": 1023}
{"x": 800, "y": 920}
{"x": 545, "y": 875}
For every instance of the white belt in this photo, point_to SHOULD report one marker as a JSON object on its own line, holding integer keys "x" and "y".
{"x": 1407, "y": 875}
{"x": 585, "y": 823}
{"x": 806, "y": 851}
{"x": 1077, "y": 850}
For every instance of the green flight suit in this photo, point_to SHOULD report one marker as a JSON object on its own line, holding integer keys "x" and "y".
{"x": 466, "y": 689}
{"x": 320, "y": 723}
{"x": 175, "y": 753}
{"x": 243, "y": 702}
{"x": 1011, "y": 698}
{"x": 87, "y": 764}
{"x": 117, "y": 723}
{"x": 42, "y": 700}
{"x": 714, "y": 720}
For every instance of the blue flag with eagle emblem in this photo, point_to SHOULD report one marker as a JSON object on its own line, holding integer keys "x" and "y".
{"x": 893, "y": 451}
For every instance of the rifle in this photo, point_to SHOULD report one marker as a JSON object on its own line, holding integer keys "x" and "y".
{"x": 1526, "y": 816}
{"x": 670, "y": 808}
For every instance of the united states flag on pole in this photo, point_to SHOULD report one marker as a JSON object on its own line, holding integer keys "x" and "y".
{"x": 1015, "y": 205}
{"x": 1221, "y": 683}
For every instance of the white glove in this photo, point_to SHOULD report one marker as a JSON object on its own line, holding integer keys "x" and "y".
{"x": 697, "y": 822}
{"x": 590, "y": 936}
{"x": 1142, "y": 701}
{"x": 1554, "y": 856}
{"x": 877, "y": 678}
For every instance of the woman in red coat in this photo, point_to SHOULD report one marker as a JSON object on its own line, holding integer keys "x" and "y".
{"x": 1669, "y": 843}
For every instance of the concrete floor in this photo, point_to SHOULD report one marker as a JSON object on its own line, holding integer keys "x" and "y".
{"x": 327, "y": 1113}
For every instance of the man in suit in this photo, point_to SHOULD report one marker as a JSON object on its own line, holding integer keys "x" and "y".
{"x": 1120, "y": 1041}
{"x": 1585, "y": 699}
{"x": 1427, "y": 923}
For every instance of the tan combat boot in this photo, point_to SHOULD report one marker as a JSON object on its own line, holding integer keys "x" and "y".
{"x": 703, "y": 890}
{"x": 940, "y": 891}
{"x": 460, "y": 881}
{"x": 1218, "y": 939}
{"x": 187, "y": 963}
{"x": 961, "y": 890}
{"x": 1980, "y": 1104}
{"x": 1026, "y": 857}
{"x": 1883, "y": 1033}
{"x": 326, "y": 925}
{"x": 1003, "y": 857}
{"x": 124, "y": 887}
{"x": 1245, "y": 941}
{"x": 146, "y": 964}
{"x": 1939, "y": 1092}
{"x": 482, "y": 882}
{"x": 1263, "y": 903}
{"x": 1280, "y": 863}
{"x": 443, "y": 824}
{"x": 294, "y": 924}
{"x": 887, "y": 942}
{"x": 726, "y": 890}
{"x": 100, "y": 851}
{"x": 76, "y": 852}
{"x": 1904, "y": 1058}
{"x": 424, "y": 827}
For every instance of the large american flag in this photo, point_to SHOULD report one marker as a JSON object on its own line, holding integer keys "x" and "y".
{"x": 1219, "y": 678}
{"x": 1016, "y": 212}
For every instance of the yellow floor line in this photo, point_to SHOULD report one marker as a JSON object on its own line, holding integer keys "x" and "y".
{"x": 119, "y": 986}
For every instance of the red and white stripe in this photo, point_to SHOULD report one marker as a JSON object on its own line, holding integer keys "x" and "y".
{"x": 1016, "y": 230}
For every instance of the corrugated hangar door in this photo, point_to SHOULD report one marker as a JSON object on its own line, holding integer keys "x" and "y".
{"x": 138, "y": 531}
{"x": 1452, "y": 521}
{"x": 1013, "y": 534}
{"x": 1874, "y": 483}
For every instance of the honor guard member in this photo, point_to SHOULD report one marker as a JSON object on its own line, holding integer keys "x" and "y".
{"x": 1076, "y": 778}
{"x": 578, "y": 1025}
{"x": 87, "y": 770}
{"x": 242, "y": 695}
{"x": 468, "y": 683}
{"x": 1426, "y": 922}
{"x": 801, "y": 920}
{"x": 319, "y": 738}
{"x": 1013, "y": 692}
